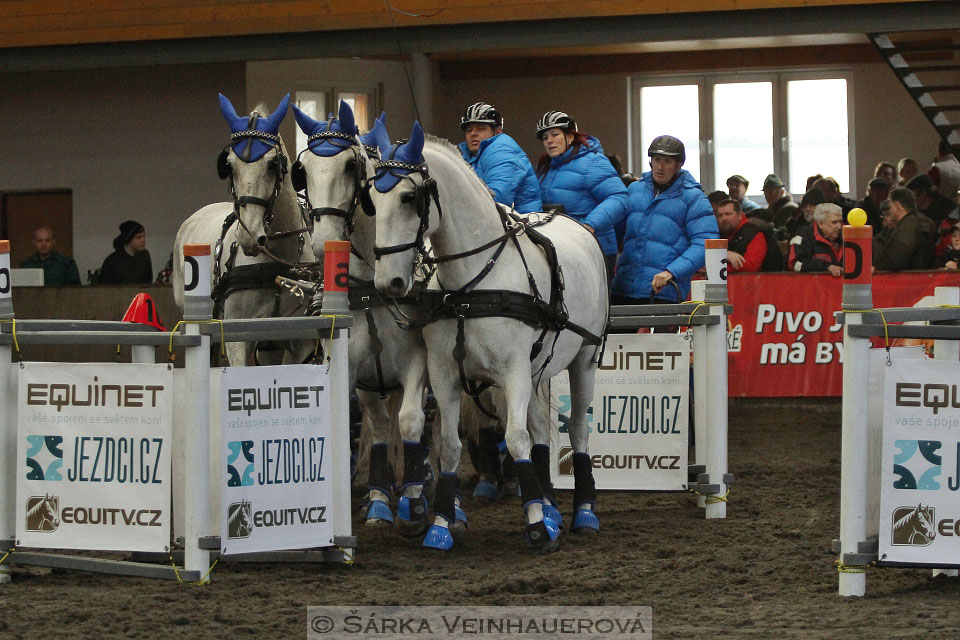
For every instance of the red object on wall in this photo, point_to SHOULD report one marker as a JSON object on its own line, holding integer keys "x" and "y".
{"x": 782, "y": 338}
{"x": 144, "y": 311}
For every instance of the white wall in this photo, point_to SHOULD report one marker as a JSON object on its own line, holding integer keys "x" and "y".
{"x": 138, "y": 143}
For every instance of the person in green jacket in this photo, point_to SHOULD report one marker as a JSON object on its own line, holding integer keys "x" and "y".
{"x": 58, "y": 269}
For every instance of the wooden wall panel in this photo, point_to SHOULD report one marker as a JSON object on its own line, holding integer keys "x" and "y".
{"x": 25, "y": 23}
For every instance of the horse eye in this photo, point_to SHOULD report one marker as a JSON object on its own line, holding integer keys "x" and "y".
{"x": 350, "y": 166}
{"x": 407, "y": 198}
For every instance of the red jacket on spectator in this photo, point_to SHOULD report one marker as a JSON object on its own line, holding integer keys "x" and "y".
{"x": 810, "y": 251}
{"x": 751, "y": 244}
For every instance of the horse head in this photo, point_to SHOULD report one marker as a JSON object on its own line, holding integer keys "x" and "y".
{"x": 333, "y": 172}
{"x": 924, "y": 520}
{"x": 401, "y": 193}
{"x": 255, "y": 163}
{"x": 51, "y": 510}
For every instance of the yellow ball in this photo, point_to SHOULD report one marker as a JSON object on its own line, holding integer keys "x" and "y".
{"x": 857, "y": 217}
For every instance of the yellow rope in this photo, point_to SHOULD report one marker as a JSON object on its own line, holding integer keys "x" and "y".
{"x": 886, "y": 334}
{"x": 712, "y": 498}
{"x": 333, "y": 324}
{"x": 7, "y": 554}
{"x": 848, "y": 568}
{"x": 347, "y": 556}
{"x": 16, "y": 343}
{"x": 174, "y": 330}
{"x": 202, "y": 582}
{"x": 700, "y": 303}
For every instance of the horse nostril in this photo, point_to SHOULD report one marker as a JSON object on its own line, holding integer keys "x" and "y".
{"x": 396, "y": 284}
{"x": 262, "y": 241}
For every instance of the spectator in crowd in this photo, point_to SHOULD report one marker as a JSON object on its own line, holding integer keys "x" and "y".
{"x": 906, "y": 169}
{"x": 737, "y": 187}
{"x": 929, "y": 200}
{"x": 130, "y": 261}
{"x": 909, "y": 239}
{"x": 574, "y": 172}
{"x": 877, "y": 191}
{"x": 498, "y": 159}
{"x": 715, "y": 198}
{"x": 808, "y": 204}
{"x": 750, "y": 248}
{"x": 886, "y": 170}
{"x": 817, "y": 247}
{"x": 945, "y": 172}
{"x": 58, "y": 269}
{"x": 812, "y": 180}
{"x": 831, "y": 191}
{"x": 780, "y": 202}
{"x": 950, "y": 258}
{"x": 669, "y": 218}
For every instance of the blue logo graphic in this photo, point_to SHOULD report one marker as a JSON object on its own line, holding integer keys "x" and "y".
{"x": 917, "y": 472}
{"x": 240, "y": 471}
{"x": 44, "y": 458}
{"x": 563, "y": 414}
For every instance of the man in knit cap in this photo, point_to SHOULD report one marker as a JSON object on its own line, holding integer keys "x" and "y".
{"x": 130, "y": 262}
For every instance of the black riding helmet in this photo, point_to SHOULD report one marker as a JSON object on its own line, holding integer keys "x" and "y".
{"x": 555, "y": 120}
{"x": 667, "y": 146}
{"x": 481, "y": 113}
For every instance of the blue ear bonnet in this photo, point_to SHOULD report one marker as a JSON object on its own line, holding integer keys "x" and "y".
{"x": 408, "y": 153}
{"x": 371, "y": 138}
{"x": 251, "y": 148}
{"x": 328, "y": 146}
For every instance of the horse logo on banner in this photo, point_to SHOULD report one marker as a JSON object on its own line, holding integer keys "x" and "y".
{"x": 914, "y": 526}
{"x": 240, "y": 519}
{"x": 43, "y": 513}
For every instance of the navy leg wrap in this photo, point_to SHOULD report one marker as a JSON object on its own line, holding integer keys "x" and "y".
{"x": 540, "y": 454}
{"x": 584, "y": 489}
{"x": 529, "y": 485}
{"x": 446, "y": 490}
{"x": 378, "y": 468}
{"x": 413, "y": 456}
{"x": 488, "y": 454}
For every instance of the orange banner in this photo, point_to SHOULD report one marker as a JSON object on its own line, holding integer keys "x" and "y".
{"x": 783, "y": 339}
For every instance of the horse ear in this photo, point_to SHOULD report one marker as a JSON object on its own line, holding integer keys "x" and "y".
{"x": 381, "y": 137}
{"x": 415, "y": 144}
{"x": 307, "y": 124}
{"x": 383, "y": 118}
{"x": 230, "y": 114}
{"x": 348, "y": 124}
{"x": 275, "y": 118}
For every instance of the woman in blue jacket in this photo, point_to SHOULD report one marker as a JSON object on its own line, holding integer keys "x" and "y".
{"x": 574, "y": 172}
{"x": 669, "y": 219}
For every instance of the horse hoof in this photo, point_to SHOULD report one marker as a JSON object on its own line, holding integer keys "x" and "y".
{"x": 586, "y": 522}
{"x": 438, "y": 538}
{"x": 511, "y": 488}
{"x": 378, "y": 512}
{"x": 485, "y": 492}
{"x": 412, "y": 516}
{"x": 550, "y": 511}
{"x": 543, "y": 536}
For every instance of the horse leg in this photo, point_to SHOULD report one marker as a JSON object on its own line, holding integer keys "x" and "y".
{"x": 446, "y": 389}
{"x": 238, "y": 353}
{"x": 480, "y": 432}
{"x": 582, "y": 372}
{"x": 538, "y": 424}
{"x": 412, "y": 508}
{"x": 542, "y": 534}
{"x": 380, "y": 489}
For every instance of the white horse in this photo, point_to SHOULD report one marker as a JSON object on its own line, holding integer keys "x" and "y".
{"x": 258, "y": 236}
{"x": 333, "y": 171}
{"x": 517, "y": 337}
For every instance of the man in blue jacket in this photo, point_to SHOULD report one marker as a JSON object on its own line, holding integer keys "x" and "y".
{"x": 498, "y": 159}
{"x": 669, "y": 219}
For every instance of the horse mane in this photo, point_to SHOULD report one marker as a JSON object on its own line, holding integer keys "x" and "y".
{"x": 902, "y": 522}
{"x": 452, "y": 153}
{"x": 41, "y": 504}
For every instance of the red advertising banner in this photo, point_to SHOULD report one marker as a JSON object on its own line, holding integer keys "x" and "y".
{"x": 782, "y": 337}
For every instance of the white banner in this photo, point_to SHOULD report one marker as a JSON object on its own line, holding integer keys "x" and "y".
{"x": 919, "y": 503}
{"x": 276, "y": 483}
{"x": 93, "y": 456}
{"x": 638, "y": 417}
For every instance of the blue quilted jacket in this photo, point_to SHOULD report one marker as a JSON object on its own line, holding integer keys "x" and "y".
{"x": 588, "y": 187}
{"x": 664, "y": 233}
{"x": 504, "y": 167}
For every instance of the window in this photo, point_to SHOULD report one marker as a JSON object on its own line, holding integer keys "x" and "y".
{"x": 792, "y": 124}
{"x": 363, "y": 100}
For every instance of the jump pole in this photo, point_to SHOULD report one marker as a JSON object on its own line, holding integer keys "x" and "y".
{"x": 197, "y": 307}
{"x": 946, "y": 350}
{"x": 857, "y": 296}
{"x": 8, "y": 425}
{"x": 715, "y": 295}
{"x": 700, "y": 382}
{"x": 336, "y": 264}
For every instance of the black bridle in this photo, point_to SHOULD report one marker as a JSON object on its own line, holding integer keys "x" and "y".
{"x": 299, "y": 178}
{"x": 422, "y": 194}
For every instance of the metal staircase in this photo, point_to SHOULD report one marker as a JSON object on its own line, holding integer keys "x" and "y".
{"x": 934, "y": 70}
